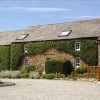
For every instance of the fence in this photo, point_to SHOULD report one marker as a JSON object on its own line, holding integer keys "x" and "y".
{"x": 93, "y": 72}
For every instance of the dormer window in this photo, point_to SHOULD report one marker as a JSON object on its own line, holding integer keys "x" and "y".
{"x": 65, "y": 33}
{"x": 23, "y": 36}
{"x": 77, "y": 46}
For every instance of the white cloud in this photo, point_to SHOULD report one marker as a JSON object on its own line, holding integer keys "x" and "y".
{"x": 33, "y": 9}
{"x": 79, "y": 17}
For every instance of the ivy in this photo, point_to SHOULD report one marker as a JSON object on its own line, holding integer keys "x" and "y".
{"x": 16, "y": 56}
{"x": 11, "y": 56}
{"x": 4, "y": 58}
{"x": 88, "y": 52}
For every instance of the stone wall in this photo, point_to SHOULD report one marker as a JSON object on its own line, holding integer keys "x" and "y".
{"x": 39, "y": 60}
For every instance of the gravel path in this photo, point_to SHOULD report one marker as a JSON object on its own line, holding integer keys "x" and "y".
{"x": 32, "y": 89}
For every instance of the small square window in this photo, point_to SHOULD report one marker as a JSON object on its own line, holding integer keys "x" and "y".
{"x": 77, "y": 62}
{"x": 25, "y": 48}
{"x": 25, "y": 61}
{"x": 77, "y": 46}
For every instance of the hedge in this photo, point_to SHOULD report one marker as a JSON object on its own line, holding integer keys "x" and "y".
{"x": 58, "y": 66}
{"x": 4, "y": 58}
{"x": 17, "y": 54}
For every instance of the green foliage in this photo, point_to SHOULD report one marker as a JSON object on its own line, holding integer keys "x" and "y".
{"x": 16, "y": 56}
{"x": 88, "y": 52}
{"x": 24, "y": 75}
{"x": 11, "y": 56}
{"x": 29, "y": 68}
{"x": 58, "y": 66}
{"x": 4, "y": 58}
{"x": 58, "y": 75}
{"x": 48, "y": 76}
{"x": 34, "y": 75}
{"x": 16, "y": 74}
{"x": 10, "y": 74}
{"x": 80, "y": 70}
{"x": 36, "y": 48}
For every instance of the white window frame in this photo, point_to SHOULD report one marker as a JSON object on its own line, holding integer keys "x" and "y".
{"x": 77, "y": 62}
{"x": 65, "y": 33}
{"x": 77, "y": 46}
{"x": 26, "y": 61}
{"x": 22, "y": 36}
{"x": 25, "y": 48}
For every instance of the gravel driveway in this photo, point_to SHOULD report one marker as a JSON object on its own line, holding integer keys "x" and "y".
{"x": 34, "y": 89}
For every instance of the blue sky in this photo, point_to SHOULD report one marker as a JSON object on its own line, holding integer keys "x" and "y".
{"x": 19, "y": 14}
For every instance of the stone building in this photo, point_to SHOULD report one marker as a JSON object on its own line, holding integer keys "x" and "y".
{"x": 76, "y": 31}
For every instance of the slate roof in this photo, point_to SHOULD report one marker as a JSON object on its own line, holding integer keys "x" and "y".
{"x": 80, "y": 29}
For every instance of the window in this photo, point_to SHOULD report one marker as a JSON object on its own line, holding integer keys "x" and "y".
{"x": 25, "y": 61}
{"x": 21, "y": 37}
{"x": 77, "y": 62}
{"x": 65, "y": 33}
{"x": 77, "y": 46}
{"x": 25, "y": 48}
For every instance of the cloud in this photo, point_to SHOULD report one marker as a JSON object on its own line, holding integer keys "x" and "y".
{"x": 79, "y": 17}
{"x": 33, "y": 9}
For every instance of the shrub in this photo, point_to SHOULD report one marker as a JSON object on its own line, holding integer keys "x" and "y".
{"x": 6, "y": 74}
{"x": 48, "y": 76}
{"x": 10, "y": 74}
{"x": 58, "y": 75}
{"x": 81, "y": 70}
{"x": 58, "y": 66}
{"x": 24, "y": 75}
{"x": 16, "y": 74}
{"x": 29, "y": 68}
{"x": 17, "y": 54}
{"x": 4, "y": 58}
{"x": 34, "y": 75}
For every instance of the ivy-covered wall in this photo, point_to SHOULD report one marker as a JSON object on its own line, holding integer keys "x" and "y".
{"x": 88, "y": 51}
{"x": 4, "y": 57}
{"x": 17, "y": 54}
{"x": 11, "y": 56}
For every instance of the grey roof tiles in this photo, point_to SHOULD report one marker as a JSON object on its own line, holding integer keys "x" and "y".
{"x": 80, "y": 29}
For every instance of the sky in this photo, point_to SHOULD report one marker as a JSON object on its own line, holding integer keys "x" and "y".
{"x": 19, "y": 14}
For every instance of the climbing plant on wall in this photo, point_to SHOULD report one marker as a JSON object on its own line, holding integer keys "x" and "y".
{"x": 88, "y": 52}
{"x": 17, "y": 54}
{"x": 4, "y": 58}
{"x": 11, "y": 56}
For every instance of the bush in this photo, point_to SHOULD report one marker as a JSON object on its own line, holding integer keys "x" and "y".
{"x": 80, "y": 70}
{"x": 58, "y": 66}
{"x": 48, "y": 76}
{"x": 29, "y": 68}
{"x": 6, "y": 74}
{"x": 17, "y": 53}
{"x": 34, "y": 75}
{"x": 24, "y": 75}
{"x": 58, "y": 75}
{"x": 4, "y": 58}
{"x": 10, "y": 74}
{"x": 16, "y": 74}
